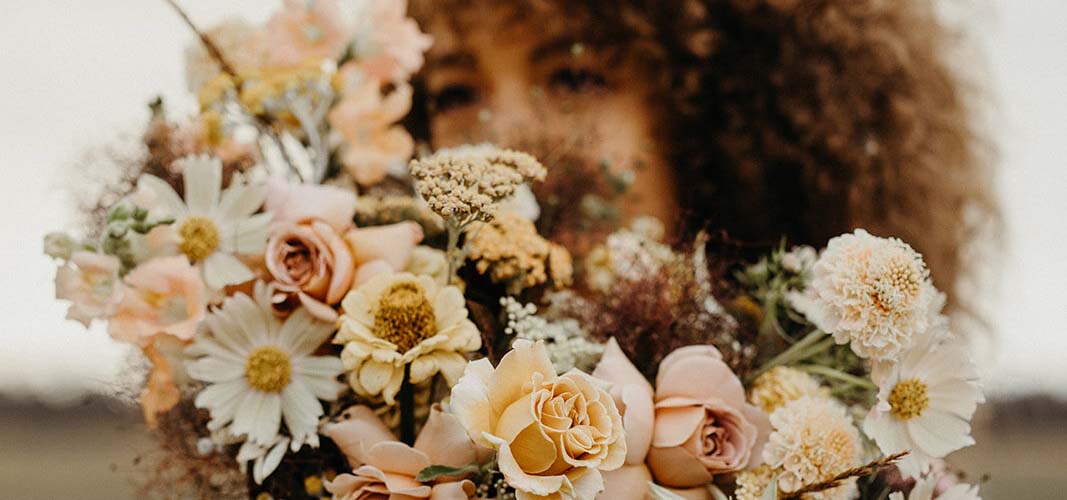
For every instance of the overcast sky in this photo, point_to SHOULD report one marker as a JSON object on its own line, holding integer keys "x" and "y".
{"x": 78, "y": 73}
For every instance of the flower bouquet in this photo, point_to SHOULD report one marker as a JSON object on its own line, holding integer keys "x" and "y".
{"x": 321, "y": 316}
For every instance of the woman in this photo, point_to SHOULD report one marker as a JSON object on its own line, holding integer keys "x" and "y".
{"x": 763, "y": 118}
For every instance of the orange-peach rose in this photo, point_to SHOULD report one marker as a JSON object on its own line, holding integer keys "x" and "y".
{"x": 553, "y": 434}
{"x": 311, "y": 264}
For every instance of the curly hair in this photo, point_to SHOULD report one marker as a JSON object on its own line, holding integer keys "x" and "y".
{"x": 806, "y": 119}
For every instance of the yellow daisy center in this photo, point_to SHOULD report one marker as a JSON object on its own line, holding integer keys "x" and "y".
{"x": 268, "y": 369}
{"x": 200, "y": 237}
{"x": 404, "y": 316}
{"x": 908, "y": 399}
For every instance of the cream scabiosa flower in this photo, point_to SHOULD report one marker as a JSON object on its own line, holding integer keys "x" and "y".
{"x": 260, "y": 371}
{"x": 211, "y": 225}
{"x": 871, "y": 292}
{"x": 925, "y": 404}
{"x": 396, "y": 320}
{"x": 925, "y": 487}
{"x": 813, "y": 440}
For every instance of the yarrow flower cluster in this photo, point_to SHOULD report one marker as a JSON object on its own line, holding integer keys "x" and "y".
{"x": 465, "y": 184}
{"x": 511, "y": 252}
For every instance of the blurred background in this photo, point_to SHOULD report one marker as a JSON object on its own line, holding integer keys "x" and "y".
{"x": 77, "y": 75}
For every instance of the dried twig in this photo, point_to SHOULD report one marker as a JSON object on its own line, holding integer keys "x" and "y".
{"x": 208, "y": 44}
{"x": 861, "y": 471}
{"x": 263, "y": 124}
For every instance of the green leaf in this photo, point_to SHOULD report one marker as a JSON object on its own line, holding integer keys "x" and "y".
{"x": 435, "y": 471}
{"x": 771, "y": 493}
{"x": 660, "y": 493}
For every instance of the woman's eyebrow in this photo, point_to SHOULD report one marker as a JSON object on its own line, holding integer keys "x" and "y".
{"x": 458, "y": 59}
{"x": 553, "y": 47}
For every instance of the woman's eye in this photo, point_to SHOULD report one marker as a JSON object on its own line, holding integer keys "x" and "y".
{"x": 454, "y": 97}
{"x": 576, "y": 80}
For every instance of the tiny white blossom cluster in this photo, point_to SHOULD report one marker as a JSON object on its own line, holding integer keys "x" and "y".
{"x": 567, "y": 344}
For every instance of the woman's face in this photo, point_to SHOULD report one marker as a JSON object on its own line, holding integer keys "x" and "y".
{"x": 529, "y": 85}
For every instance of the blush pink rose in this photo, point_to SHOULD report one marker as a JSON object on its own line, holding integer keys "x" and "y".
{"x": 311, "y": 266}
{"x": 382, "y": 249}
{"x": 89, "y": 282}
{"x": 703, "y": 425}
{"x": 384, "y": 468}
{"x": 635, "y": 399}
{"x": 297, "y": 203}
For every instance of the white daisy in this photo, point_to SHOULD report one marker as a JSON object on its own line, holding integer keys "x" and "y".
{"x": 925, "y": 405}
{"x": 260, "y": 370}
{"x": 872, "y": 293}
{"x": 925, "y": 487}
{"x": 211, "y": 224}
{"x": 264, "y": 458}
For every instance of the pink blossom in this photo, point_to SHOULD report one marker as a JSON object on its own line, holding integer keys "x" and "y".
{"x": 366, "y": 120}
{"x": 305, "y": 30}
{"x": 162, "y": 296}
{"x": 88, "y": 281}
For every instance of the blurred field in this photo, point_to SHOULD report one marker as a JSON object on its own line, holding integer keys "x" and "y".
{"x": 88, "y": 452}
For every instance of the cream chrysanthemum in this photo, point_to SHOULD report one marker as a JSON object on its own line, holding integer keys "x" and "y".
{"x": 781, "y": 385}
{"x": 925, "y": 487}
{"x": 868, "y": 291}
{"x": 813, "y": 440}
{"x": 395, "y": 320}
{"x": 925, "y": 405}
{"x": 260, "y": 371}
{"x": 211, "y": 224}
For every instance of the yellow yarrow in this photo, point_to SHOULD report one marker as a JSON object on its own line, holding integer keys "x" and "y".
{"x": 782, "y": 384}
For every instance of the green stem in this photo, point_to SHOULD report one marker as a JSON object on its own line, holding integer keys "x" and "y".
{"x": 828, "y": 372}
{"x": 812, "y": 344}
{"x": 406, "y": 400}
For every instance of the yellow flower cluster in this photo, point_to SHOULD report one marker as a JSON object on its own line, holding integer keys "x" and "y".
{"x": 511, "y": 251}
{"x": 782, "y": 384}
{"x": 751, "y": 483}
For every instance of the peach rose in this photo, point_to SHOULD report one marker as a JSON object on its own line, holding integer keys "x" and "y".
{"x": 311, "y": 264}
{"x": 553, "y": 434}
{"x": 385, "y": 468}
{"x": 703, "y": 424}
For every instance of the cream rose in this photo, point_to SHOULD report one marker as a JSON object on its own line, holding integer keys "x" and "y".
{"x": 553, "y": 434}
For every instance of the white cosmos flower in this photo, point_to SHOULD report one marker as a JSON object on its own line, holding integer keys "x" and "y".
{"x": 261, "y": 371}
{"x": 925, "y": 404}
{"x": 211, "y": 224}
{"x": 925, "y": 487}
